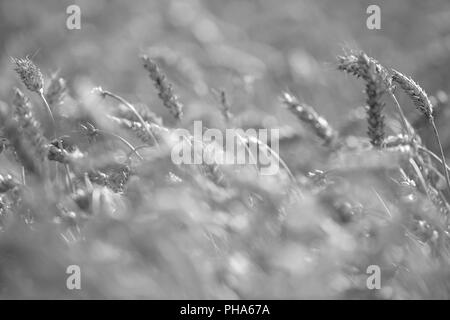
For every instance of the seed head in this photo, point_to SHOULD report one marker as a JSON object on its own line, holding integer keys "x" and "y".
{"x": 378, "y": 82}
{"x": 362, "y": 66}
{"x": 29, "y": 125}
{"x": 308, "y": 115}
{"x": 29, "y": 73}
{"x": 165, "y": 90}
{"x": 418, "y": 96}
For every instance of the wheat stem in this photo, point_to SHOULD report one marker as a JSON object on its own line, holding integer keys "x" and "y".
{"x": 444, "y": 164}
{"x": 405, "y": 122}
{"x": 433, "y": 155}
{"x": 127, "y": 143}
{"x": 133, "y": 109}
{"x": 24, "y": 182}
{"x": 69, "y": 178}
{"x": 66, "y": 168}
{"x": 41, "y": 94}
{"x": 419, "y": 175}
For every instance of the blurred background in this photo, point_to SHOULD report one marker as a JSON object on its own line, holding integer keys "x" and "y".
{"x": 267, "y": 45}
{"x": 253, "y": 50}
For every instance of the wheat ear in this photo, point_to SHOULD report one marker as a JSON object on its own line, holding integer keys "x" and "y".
{"x": 377, "y": 84}
{"x": 420, "y": 99}
{"x": 308, "y": 115}
{"x": 33, "y": 79}
{"x": 165, "y": 90}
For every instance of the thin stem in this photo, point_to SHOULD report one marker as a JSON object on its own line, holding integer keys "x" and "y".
{"x": 24, "y": 181}
{"x": 133, "y": 109}
{"x": 271, "y": 151}
{"x": 444, "y": 164}
{"x": 66, "y": 168}
{"x": 383, "y": 203}
{"x": 436, "y": 171}
{"x": 49, "y": 110}
{"x": 128, "y": 144}
{"x": 277, "y": 156}
{"x": 69, "y": 178}
{"x": 419, "y": 176}
{"x": 136, "y": 149}
{"x": 405, "y": 122}
{"x": 41, "y": 94}
{"x": 432, "y": 154}
{"x": 252, "y": 158}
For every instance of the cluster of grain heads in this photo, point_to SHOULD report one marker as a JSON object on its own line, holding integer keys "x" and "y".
{"x": 32, "y": 78}
{"x": 377, "y": 84}
{"x": 23, "y": 148}
{"x": 165, "y": 90}
{"x": 308, "y": 115}
{"x": 420, "y": 99}
{"x": 30, "y": 128}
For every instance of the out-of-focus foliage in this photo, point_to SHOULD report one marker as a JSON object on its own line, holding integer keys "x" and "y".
{"x": 150, "y": 229}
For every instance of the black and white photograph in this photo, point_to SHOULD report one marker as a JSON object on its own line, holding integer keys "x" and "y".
{"x": 224, "y": 150}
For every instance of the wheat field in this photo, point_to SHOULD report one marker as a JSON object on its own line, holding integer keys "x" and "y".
{"x": 87, "y": 177}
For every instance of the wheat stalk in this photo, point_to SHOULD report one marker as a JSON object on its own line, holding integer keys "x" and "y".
{"x": 377, "y": 84}
{"x": 420, "y": 99}
{"x": 93, "y": 132}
